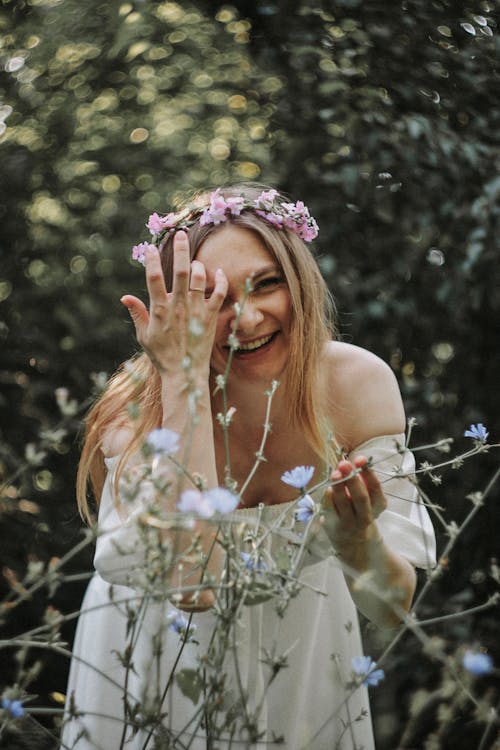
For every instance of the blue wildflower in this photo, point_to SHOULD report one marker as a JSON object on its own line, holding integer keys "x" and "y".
{"x": 251, "y": 563}
{"x": 477, "y": 663}
{"x": 205, "y": 504}
{"x": 221, "y": 500}
{"x": 14, "y": 707}
{"x": 163, "y": 440}
{"x": 477, "y": 432}
{"x": 192, "y": 501}
{"x": 298, "y": 477}
{"x": 305, "y": 509}
{"x": 364, "y": 667}
{"x": 179, "y": 624}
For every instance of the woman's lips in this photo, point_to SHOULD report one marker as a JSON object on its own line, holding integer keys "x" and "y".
{"x": 247, "y": 348}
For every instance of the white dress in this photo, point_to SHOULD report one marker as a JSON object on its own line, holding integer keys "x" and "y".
{"x": 310, "y": 704}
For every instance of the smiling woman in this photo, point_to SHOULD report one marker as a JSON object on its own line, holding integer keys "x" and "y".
{"x": 237, "y": 304}
{"x": 263, "y": 322}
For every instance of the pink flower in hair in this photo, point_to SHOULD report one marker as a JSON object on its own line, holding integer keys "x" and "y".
{"x": 309, "y": 230}
{"x": 216, "y": 212}
{"x": 157, "y": 224}
{"x": 292, "y": 216}
{"x": 266, "y": 199}
{"x": 297, "y": 218}
{"x": 138, "y": 252}
{"x": 169, "y": 221}
{"x": 275, "y": 219}
{"x": 235, "y": 205}
{"x": 292, "y": 212}
{"x": 154, "y": 224}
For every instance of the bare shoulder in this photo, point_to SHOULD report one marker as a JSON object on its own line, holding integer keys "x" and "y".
{"x": 116, "y": 439}
{"x": 346, "y": 361}
{"x": 360, "y": 393}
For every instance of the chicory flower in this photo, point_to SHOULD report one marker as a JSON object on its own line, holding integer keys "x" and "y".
{"x": 205, "y": 504}
{"x": 364, "y": 667}
{"x": 298, "y": 477}
{"x": 192, "y": 501}
{"x": 14, "y": 707}
{"x": 221, "y": 500}
{"x": 251, "y": 563}
{"x": 477, "y": 432}
{"x": 477, "y": 663}
{"x": 163, "y": 441}
{"x": 179, "y": 624}
{"x": 305, "y": 509}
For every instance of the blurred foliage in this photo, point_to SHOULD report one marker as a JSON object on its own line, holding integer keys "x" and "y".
{"x": 383, "y": 117}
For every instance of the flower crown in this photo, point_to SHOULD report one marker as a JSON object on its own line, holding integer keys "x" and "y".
{"x": 292, "y": 216}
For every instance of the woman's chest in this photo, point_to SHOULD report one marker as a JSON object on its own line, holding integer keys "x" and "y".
{"x": 258, "y": 475}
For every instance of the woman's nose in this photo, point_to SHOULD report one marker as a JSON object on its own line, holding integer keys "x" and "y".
{"x": 249, "y": 318}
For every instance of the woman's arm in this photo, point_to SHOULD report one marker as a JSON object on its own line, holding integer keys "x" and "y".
{"x": 177, "y": 334}
{"x": 382, "y": 582}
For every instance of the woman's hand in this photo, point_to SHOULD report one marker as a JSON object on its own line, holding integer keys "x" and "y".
{"x": 356, "y": 499}
{"x": 381, "y": 582}
{"x": 181, "y": 323}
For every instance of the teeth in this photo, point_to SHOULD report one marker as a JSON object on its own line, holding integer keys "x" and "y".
{"x": 254, "y": 344}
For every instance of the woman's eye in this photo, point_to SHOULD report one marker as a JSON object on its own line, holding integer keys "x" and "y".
{"x": 270, "y": 282}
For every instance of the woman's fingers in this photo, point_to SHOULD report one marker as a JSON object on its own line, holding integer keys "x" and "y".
{"x": 350, "y": 497}
{"x": 373, "y": 486}
{"x": 182, "y": 322}
{"x": 357, "y": 495}
{"x": 138, "y": 312}
{"x": 219, "y": 293}
{"x": 155, "y": 283}
{"x": 197, "y": 284}
{"x": 182, "y": 267}
{"x": 198, "y": 279}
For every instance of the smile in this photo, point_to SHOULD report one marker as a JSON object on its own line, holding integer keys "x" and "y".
{"x": 256, "y": 344}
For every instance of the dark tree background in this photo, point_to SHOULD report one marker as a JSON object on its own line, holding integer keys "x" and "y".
{"x": 383, "y": 117}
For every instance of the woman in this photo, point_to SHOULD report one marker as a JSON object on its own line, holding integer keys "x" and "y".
{"x": 236, "y": 304}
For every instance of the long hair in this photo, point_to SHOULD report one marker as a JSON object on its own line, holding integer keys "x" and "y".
{"x": 138, "y": 382}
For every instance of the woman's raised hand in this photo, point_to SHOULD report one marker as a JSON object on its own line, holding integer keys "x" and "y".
{"x": 180, "y": 323}
{"x": 356, "y": 499}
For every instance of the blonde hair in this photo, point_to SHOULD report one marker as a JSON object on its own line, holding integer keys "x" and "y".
{"x": 137, "y": 381}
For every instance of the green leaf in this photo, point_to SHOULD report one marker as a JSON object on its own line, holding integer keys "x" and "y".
{"x": 190, "y": 684}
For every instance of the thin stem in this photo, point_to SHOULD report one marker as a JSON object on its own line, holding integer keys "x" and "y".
{"x": 267, "y": 428}
{"x": 27, "y": 593}
{"x": 222, "y": 386}
{"x": 171, "y": 676}
{"x": 451, "y": 543}
{"x": 489, "y": 726}
{"x": 25, "y": 464}
{"x": 492, "y": 602}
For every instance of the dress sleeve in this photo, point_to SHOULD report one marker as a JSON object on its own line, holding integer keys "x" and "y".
{"x": 405, "y": 524}
{"x": 119, "y": 557}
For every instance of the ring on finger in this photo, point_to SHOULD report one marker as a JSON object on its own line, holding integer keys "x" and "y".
{"x": 196, "y": 289}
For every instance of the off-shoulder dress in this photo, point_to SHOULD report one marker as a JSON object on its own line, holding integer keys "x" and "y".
{"x": 309, "y": 705}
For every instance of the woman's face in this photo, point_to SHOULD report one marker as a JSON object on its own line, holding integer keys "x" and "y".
{"x": 263, "y": 328}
